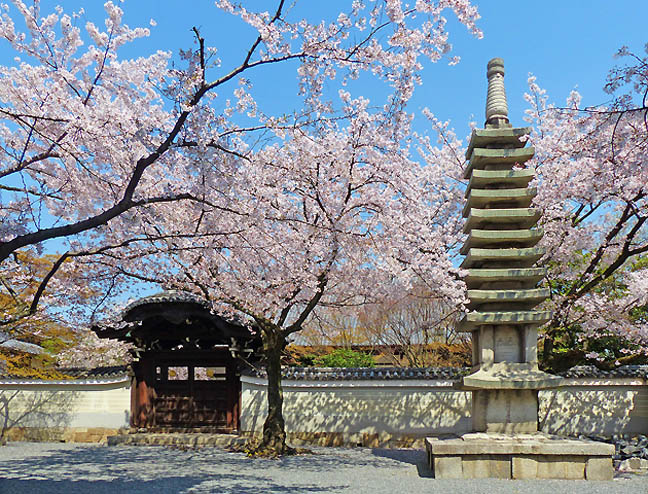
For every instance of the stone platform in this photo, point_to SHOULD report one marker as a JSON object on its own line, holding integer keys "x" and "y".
{"x": 520, "y": 456}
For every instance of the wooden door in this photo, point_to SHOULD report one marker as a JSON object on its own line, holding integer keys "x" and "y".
{"x": 195, "y": 394}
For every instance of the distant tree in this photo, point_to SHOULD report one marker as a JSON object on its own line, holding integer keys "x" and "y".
{"x": 34, "y": 342}
{"x": 30, "y": 340}
{"x": 345, "y": 357}
{"x": 90, "y": 352}
{"x": 407, "y": 326}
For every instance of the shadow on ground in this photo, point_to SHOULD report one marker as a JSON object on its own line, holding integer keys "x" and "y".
{"x": 75, "y": 469}
{"x": 103, "y": 470}
{"x": 416, "y": 457}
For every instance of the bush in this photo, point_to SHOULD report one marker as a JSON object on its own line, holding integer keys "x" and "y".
{"x": 307, "y": 360}
{"x": 343, "y": 357}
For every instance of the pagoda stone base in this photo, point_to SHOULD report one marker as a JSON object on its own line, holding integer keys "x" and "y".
{"x": 505, "y": 411}
{"x": 523, "y": 456}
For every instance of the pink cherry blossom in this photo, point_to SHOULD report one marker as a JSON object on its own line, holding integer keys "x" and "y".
{"x": 178, "y": 176}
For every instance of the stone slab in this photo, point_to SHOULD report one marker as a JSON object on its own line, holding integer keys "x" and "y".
{"x": 473, "y": 320}
{"x": 491, "y": 198}
{"x": 510, "y": 137}
{"x": 486, "y": 466}
{"x": 510, "y": 375}
{"x": 448, "y": 467}
{"x": 191, "y": 440}
{"x": 599, "y": 468}
{"x": 521, "y": 257}
{"x": 568, "y": 467}
{"x": 482, "y": 157}
{"x": 530, "y": 298}
{"x": 524, "y": 467}
{"x": 519, "y": 444}
{"x": 502, "y": 218}
{"x": 495, "y": 178}
{"x": 522, "y": 277}
{"x": 505, "y": 411}
{"x": 502, "y": 238}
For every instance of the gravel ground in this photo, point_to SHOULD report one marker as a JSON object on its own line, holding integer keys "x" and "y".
{"x": 74, "y": 468}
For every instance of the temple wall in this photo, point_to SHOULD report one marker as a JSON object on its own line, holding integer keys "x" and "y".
{"x": 596, "y": 406}
{"x": 356, "y": 412}
{"x": 370, "y": 413}
{"x": 400, "y": 413}
{"x": 79, "y": 412}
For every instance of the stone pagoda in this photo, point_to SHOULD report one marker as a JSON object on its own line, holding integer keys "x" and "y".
{"x": 502, "y": 288}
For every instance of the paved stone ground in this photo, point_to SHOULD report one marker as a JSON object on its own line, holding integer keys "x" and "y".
{"x": 74, "y": 468}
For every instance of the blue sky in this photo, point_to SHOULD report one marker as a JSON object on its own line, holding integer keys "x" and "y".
{"x": 566, "y": 44}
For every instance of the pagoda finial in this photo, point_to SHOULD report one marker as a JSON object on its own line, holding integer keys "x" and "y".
{"x": 496, "y": 107}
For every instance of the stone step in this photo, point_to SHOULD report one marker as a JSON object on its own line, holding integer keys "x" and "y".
{"x": 513, "y": 198}
{"x": 529, "y": 275}
{"x": 502, "y": 238}
{"x": 189, "y": 440}
{"x": 502, "y": 218}
{"x": 473, "y": 320}
{"x": 529, "y": 298}
{"x": 497, "y": 159}
{"x": 486, "y": 258}
{"x": 481, "y": 138}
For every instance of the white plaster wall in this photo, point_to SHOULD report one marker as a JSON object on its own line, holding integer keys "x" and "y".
{"x": 400, "y": 407}
{"x": 52, "y": 405}
{"x": 583, "y": 406}
{"x": 596, "y": 406}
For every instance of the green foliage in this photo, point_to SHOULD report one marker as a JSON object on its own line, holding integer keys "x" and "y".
{"x": 343, "y": 357}
{"x": 639, "y": 315}
{"x": 24, "y": 365}
{"x": 307, "y": 360}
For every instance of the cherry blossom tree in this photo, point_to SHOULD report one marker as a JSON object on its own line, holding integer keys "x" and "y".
{"x": 87, "y": 137}
{"x": 155, "y": 172}
{"x": 90, "y": 352}
{"x": 335, "y": 216}
{"x": 592, "y": 165}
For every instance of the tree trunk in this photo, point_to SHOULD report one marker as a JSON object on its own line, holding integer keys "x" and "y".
{"x": 274, "y": 431}
{"x": 547, "y": 347}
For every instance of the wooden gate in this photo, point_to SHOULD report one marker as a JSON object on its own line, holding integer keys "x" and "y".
{"x": 191, "y": 392}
